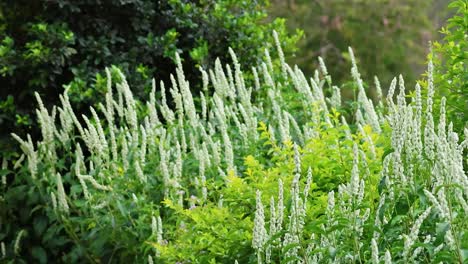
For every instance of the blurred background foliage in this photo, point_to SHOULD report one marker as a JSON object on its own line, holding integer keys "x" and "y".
{"x": 48, "y": 45}
{"x": 389, "y": 37}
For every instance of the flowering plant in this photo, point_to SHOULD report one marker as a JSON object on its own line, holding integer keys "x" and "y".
{"x": 246, "y": 174}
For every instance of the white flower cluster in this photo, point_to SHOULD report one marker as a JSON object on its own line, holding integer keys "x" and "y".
{"x": 157, "y": 228}
{"x": 418, "y": 144}
{"x": 259, "y": 236}
{"x": 3, "y": 249}
{"x": 17, "y": 245}
{"x": 419, "y": 148}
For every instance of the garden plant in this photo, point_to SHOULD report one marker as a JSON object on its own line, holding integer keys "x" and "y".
{"x": 271, "y": 169}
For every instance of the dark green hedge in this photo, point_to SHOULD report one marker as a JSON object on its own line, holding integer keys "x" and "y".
{"x": 46, "y": 44}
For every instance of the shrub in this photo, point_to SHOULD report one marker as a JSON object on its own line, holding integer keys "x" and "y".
{"x": 450, "y": 62}
{"x": 141, "y": 182}
{"x": 416, "y": 211}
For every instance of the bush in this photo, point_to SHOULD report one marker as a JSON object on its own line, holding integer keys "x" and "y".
{"x": 450, "y": 62}
{"x": 140, "y": 182}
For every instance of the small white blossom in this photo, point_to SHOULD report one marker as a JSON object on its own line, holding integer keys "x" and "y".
{"x": 2, "y": 245}
{"x": 375, "y": 251}
{"x": 259, "y": 235}
{"x": 62, "y": 198}
{"x": 54, "y": 200}
{"x": 388, "y": 257}
{"x": 17, "y": 245}
{"x": 414, "y": 232}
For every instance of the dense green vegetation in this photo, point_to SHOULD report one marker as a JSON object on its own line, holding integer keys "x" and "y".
{"x": 240, "y": 159}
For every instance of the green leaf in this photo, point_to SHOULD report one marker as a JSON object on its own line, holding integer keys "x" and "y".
{"x": 40, "y": 254}
{"x": 464, "y": 254}
{"x": 387, "y": 152}
{"x": 40, "y": 224}
{"x": 442, "y": 228}
{"x": 445, "y": 256}
{"x": 290, "y": 246}
{"x": 121, "y": 209}
{"x": 291, "y": 259}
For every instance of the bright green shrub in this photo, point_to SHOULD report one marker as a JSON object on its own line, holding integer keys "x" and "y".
{"x": 140, "y": 182}
{"x": 417, "y": 211}
{"x": 450, "y": 61}
{"x": 210, "y": 232}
